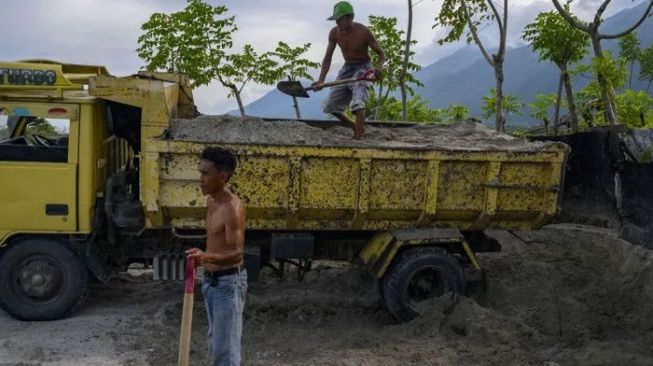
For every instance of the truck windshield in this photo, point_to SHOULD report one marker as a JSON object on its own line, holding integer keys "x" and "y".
{"x": 33, "y": 138}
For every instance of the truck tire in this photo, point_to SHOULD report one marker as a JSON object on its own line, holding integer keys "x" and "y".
{"x": 41, "y": 279}
{"x": 419, "y": 274}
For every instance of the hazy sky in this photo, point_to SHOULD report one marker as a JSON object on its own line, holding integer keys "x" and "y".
{"x": 105, "y": 32}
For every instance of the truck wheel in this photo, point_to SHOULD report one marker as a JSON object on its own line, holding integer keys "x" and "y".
{"x": 417, "y": 275}
{"x": 41, "y": 279}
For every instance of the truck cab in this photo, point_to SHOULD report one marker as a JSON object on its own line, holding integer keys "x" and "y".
{"x": 58, "y": 148}
{"x": 70, "y": 200}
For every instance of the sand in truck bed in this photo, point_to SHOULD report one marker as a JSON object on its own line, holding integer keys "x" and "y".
{"x": 463, "y": 135}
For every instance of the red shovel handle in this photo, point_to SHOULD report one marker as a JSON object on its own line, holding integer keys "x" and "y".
{"x": 189, "y": 279}
{"x": 369, "y": 75}
{"x": 187, "y": 314}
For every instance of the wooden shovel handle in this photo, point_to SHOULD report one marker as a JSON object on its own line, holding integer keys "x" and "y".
{"x": 187, "y": 313}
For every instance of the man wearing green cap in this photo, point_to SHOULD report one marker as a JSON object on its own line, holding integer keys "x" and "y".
{"x": 354, "y": 40}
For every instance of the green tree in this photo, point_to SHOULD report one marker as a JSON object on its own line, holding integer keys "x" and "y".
{"x": 293, "y": 66}
{"x": 458, "y": 15}
{"x": 635, "y": 108}
{"x": 42, "y": 127}
{"x": 417, "y": 111}
{"x": 511, "y": 104}
{"x": 646, "y": 65}
{"x": 452, "y": 113}
{"x": 391, "y": 41}
{"x": 391, "y": 110}
{"x": 592, "y": 29}
{"x": 192, "y": 41}
{"x": 540, "y": 108}
{"x": 614, "y": 77}
{"x": 630, "y": 51}
{"x": 559, "y": 42}
{"x": 239, "y": 69}
{"x": 458, "y": 112}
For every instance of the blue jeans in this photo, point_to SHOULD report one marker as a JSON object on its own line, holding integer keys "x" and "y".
{"x": 224, "y": 310}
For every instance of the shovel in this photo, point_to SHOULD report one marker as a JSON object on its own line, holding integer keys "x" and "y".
{"x": 187, "y": 314}
{"x": 295, "y": 88}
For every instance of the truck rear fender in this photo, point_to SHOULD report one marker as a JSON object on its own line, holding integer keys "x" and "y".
{"x": 382, "y": 248}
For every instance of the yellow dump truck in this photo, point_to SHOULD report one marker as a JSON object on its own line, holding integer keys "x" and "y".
{"x": 93, "y": 178}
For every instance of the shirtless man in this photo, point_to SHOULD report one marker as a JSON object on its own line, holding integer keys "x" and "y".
{"x": 225, "y": 279}
{"x": 354, "y": 40}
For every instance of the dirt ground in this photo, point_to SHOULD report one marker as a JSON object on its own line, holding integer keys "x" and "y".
{"x": 564, "y": 295}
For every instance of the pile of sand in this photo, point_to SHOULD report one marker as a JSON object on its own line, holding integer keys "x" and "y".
{"x": 564, "y": 295}
{"x": 464, "y": 135}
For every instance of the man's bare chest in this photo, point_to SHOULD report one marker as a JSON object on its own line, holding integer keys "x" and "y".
{"x": 215, "y": 222}
{"x": 350, "y": 41}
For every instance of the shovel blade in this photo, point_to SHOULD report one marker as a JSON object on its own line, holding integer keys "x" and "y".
{"x": 292, "y": 88}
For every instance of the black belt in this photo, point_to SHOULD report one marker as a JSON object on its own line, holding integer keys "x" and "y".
{"x": 223, "y": 272}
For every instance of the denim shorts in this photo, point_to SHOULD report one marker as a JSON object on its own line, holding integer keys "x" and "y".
{"x": 355, "y": 94}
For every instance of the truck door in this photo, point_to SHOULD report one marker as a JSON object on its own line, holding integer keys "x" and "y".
{"x": 38, "y": 167}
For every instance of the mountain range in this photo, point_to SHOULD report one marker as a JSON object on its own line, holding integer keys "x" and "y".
{"x": 465, "y": 77}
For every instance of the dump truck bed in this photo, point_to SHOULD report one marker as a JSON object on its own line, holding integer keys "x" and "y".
{"x": 318, "y": 180}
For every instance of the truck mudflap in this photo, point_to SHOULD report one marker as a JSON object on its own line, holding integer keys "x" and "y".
{"x": 384, "y": 246}
{"x": 97, "y": 262}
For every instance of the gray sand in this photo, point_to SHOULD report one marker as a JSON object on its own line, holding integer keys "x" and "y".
{"x": 464, "y": 135}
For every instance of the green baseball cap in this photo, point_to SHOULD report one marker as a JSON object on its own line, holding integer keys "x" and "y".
{"x": 341, "y": 9}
